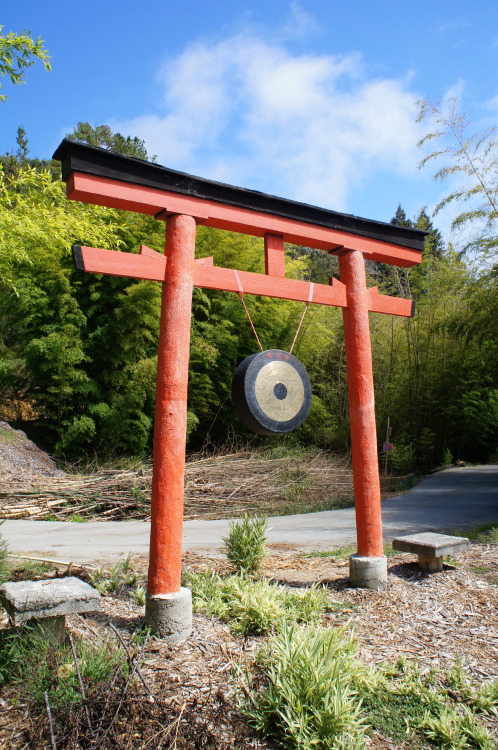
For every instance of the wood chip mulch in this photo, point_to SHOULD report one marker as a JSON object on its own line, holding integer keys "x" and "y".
{"x": 432, "y": 619}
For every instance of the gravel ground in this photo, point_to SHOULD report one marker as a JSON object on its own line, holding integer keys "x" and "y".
{"x": 21, "y": 460}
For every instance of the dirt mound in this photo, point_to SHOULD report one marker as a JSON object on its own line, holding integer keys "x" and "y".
{"x": 21, "y": 460}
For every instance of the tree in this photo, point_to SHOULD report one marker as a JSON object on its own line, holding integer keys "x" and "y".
{"x": 18, "y": 52}
{"x": 103, "y": 137}
{"x": 400, "y": 218}
{"x": 473, "y": 159}
{"x": 22, "y": 145}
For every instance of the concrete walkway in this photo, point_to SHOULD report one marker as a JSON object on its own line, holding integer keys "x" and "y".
{"x": 455, "y": 498}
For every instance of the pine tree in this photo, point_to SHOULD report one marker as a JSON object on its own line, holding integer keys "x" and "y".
{"x": 400, "y": 218}
{"x": 22, "y": 145}
{"x": 434, "y": 244}
{"x": 103, "y": 137}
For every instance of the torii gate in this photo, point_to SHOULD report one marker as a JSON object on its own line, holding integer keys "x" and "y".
{"x": 101, "y": 177}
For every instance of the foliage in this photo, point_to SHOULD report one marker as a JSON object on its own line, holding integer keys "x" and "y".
{"x": 308, "y": 700}
{"x": 38, "y": 666}
{"x": 78, "y": 351}
{"x": 245, "y": 543}
{"x": 254, "y": 607}
{"x": 436, "y": 375}
{"x": 18, "y": 52}
{"x": 103, "y": 137}
{"x": 471, "y": 162}
{"x": 118, "y": 579}
{"x": 4, "y": 564}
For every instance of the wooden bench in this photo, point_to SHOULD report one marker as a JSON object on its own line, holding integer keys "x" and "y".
{"x": 430, "y": 548}
{"x": 46, "y": 603}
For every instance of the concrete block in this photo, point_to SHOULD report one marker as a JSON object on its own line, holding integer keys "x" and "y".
{"x": 170, "y": 615}
{"x": 368, "y": 572}
{"x": 27, "y": 600}
{"x": 429, "y": 544}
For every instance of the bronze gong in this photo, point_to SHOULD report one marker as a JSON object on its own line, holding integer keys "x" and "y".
{"x": 271, "y": 392}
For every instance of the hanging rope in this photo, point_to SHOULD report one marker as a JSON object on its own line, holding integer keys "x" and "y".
{"x": 241, "y": 295}
{"x": 310, "y": 299}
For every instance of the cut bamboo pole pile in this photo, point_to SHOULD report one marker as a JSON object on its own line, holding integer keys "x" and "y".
{"x": 215, "y": 487}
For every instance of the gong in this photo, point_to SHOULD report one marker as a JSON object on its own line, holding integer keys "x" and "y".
{"x": 271, "y": 392}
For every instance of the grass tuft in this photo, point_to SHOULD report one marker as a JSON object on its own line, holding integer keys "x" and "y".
{"x": 245, "y": 544}
{"x": 4, "y": 562}
{"x": 36, "y": 666}
{"x": 308, "y": 701}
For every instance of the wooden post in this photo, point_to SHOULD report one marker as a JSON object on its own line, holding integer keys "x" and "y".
{"x": 170, "y": 425}
{"x": 361, "y": 406}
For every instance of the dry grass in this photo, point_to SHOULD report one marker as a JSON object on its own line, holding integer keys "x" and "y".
{"x": 215, "y": 487}
{"x": 225, "y": 486}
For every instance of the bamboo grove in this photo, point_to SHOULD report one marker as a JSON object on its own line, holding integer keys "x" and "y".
{"x": 78, "y": 352}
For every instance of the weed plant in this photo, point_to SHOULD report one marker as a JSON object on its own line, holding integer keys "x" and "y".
{"x": 254, "y": 607}
{"x": 4, "y": 563}
{"x": 486, "y": 533}
{"x": 36, "y": 666}
{"x": 312, "y": 693}
{"x": 443, "y": 709}
{"x": 245, "y": 544}
{"x": 118, "y": 579}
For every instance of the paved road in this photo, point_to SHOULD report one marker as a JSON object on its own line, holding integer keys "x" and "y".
{"x": 455, "y": 498}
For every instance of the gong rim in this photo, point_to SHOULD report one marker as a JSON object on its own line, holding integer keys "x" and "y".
{"x": 271, "y": 392}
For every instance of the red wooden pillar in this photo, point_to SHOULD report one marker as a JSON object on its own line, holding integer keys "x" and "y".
{"x": 361, "y": 407}
{"x": 170, "y": 425}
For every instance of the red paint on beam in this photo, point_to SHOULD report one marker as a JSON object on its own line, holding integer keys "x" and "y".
{"x": 154, "y": 202}
{"x": 383, "y": 303}
{"x": 274, "y": 255}
{"x": 170, "y": 423}
{"x": 151, "y": 265}
{"x": 361, "y": 406}
{"x": 144, "y": 250}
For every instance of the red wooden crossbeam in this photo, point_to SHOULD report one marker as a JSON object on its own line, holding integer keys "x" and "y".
{"x": 151, "y": 265}
{"x": 161, "y": 203}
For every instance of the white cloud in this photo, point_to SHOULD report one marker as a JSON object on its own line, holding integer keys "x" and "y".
{"x": 251, "y": 113}
{"x": 300, "y": 24}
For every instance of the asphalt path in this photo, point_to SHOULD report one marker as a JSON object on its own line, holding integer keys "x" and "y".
{"x": 458, "y": 498}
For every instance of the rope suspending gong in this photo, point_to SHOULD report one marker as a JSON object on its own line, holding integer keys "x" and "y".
{"x": 271, "y": 391}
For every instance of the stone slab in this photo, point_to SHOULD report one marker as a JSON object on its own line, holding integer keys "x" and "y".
{"x": 429, "y": 544}
{"x": 25, "y": 600}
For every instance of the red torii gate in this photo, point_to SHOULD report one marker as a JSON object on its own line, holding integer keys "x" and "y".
{"x": 97, "y": 176}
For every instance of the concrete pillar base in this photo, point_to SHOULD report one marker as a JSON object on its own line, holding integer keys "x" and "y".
{"x": 170, "y": 615}
{"x": 368, "y": 572}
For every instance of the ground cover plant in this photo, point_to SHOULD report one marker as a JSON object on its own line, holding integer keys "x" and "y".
{"x": 311, "y": 692}
{"x": 308, "y": 699}
{"x": 42, "y": 667}
{"x": 254, "y": 607}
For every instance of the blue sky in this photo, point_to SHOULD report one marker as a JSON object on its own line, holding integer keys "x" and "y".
{"x": 314, "y": 101}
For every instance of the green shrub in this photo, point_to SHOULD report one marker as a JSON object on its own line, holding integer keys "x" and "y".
{"x": 447, "y": 458}
{"x": 254, "y": 607}
{"x": 402, "y": 459}
{"x": 308, "y": 701}
{"x": 245, "y": 543}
